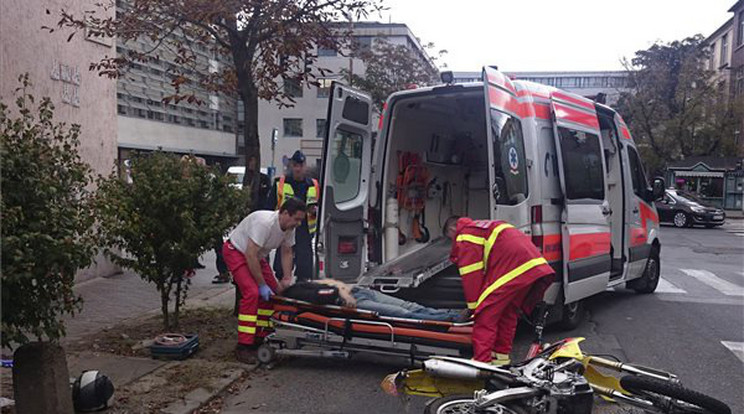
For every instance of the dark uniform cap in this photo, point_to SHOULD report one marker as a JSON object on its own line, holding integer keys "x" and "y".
{"x": 298, "y": 157}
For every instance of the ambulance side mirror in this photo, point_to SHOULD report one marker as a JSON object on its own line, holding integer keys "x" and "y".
{"x": 657, "y": 191}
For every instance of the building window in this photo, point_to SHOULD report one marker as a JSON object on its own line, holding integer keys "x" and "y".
{"x": 322, "y": 51}
{"x": 740, "y": 34}
{"x": 724, "y": 50}
{"x": 324, "y": 88}
{"x": 320, "y": 128}
{"x": 293, "y": 88}
{"x": 121, "y": 109}
{"x": 292, "y": 127}
{"x": 362, "y": 43}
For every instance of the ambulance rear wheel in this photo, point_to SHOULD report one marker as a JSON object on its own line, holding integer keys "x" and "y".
{"x": 265, "y": 354}
{"x": 572, "y": 315}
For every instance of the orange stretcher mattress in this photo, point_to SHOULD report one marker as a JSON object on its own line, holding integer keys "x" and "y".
{"x": 350, "y": 322}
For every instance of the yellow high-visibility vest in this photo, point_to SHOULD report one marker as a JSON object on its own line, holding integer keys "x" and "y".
{"x": 283, "y": 189}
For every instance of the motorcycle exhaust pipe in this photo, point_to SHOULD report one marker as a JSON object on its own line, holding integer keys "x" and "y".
{"x": 484, "y": 399}
{"x": 447, "y": 369}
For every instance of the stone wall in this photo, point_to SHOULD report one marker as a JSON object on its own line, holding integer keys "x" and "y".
{"x": 59, "y": 69}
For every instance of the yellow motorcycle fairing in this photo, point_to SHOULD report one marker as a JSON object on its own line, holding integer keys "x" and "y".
{"x": 418, "y": 382}
{"x": 569, "y": 349}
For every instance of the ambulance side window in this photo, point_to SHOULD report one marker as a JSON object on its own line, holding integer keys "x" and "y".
{"x": 636, "y": 173}
{"x": 509, "y": 158}
{"x": 582, "y": 165}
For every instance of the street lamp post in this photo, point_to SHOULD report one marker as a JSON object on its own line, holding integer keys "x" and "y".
{"x": 274, "y": 137}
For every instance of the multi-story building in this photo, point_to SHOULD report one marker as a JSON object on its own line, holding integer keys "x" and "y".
{"x": 737, "y": 61}
{"x": 303, "y": 125}
{"x": 58, "y": 69}
{"x": 584, "y": 83}
{"x": 145, "y": 123}
{"x": 720, "y": 47}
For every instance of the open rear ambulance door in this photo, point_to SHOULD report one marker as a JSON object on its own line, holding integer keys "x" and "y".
{"x": 585, "y": 228}
{"x": 341, "y": 242}
{"x": 507, "y": 171}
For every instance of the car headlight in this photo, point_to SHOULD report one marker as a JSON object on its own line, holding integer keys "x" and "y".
{"x": 698, "y": 210}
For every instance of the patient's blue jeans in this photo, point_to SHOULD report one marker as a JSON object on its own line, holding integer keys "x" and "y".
{"x": 386, "y": 305}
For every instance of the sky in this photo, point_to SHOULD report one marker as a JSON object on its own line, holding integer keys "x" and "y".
{"x": 557, "y": 35}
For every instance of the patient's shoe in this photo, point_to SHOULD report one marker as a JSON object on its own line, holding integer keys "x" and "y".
{"x": 463, "y": 317}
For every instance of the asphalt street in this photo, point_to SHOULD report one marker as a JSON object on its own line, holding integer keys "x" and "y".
{"x": 692, "y": 326}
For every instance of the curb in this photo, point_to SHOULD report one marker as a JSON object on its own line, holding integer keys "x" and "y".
{"x": 200, "y": 397}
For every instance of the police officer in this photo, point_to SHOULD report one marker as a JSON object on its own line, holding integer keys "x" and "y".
{"x": 297, "y": 184}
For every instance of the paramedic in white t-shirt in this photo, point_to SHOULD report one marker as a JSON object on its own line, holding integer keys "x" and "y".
{"x": 246, "y": 255}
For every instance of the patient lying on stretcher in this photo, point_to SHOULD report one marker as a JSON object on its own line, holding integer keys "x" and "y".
{"x": 375, "y": 301}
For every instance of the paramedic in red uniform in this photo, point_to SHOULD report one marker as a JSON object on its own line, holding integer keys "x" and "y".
{"x": 246, "y": 255}
{"x": 502, "y": 272}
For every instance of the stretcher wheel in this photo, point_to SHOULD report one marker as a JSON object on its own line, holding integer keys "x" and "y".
{"x": 266, "y": 354}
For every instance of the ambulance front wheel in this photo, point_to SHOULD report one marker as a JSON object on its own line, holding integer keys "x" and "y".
{"x": 266, "y": 354}
{"x": 648, "y": 282}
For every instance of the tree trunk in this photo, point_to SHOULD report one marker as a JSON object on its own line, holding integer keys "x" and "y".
{"x": 164, "y": 306}
{"x": 177, "y": 309}
{"x": 243, "y": 50}
{"x": 249, "y": 94}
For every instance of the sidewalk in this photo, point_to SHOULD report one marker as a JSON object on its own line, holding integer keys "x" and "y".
{"x": 734, "y": 214}
{"x": 125, "y": 300}
{"x": 111, "y": 300}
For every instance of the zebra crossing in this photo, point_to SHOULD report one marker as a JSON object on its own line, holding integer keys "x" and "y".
{"x": 700, "y": 285}
{"x": 703, "y": 286}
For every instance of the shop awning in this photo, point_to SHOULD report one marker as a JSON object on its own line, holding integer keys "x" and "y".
{"x": 698, "y": 174}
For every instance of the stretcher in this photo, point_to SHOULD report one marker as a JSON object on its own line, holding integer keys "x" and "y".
{"x": 304, "y": 329}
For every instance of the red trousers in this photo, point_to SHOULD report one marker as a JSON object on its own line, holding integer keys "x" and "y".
{"x": 496, "y": 325}
{"x": 253, "y": 312}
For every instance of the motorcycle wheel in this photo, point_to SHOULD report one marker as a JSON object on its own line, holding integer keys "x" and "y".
{"x": 465, "y": 404}
{"x": 683, "y": 400}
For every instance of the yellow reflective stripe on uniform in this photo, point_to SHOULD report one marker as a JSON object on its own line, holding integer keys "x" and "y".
{"x": 471, "y": 305}
{"x": 312, "y": 199}
{"x": 471, "y": 268}
{"x": 492, "y": 240}
{"x": 265, "y": 312}
{"x": 312, "y": 193}
{"x": 247, "y": 329}
{"x": 509, "y": 276}
{"x": 472, "y": 239}
{"x": 247, "y": 318}
{"x": 264, "y": 323}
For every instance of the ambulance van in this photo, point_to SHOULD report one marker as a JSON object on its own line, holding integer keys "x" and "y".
{"x": 560, "y": 167}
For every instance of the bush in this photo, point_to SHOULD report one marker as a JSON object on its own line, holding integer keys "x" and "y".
{"x": 172, "y": 212}
{"x": 47, "y": 220}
